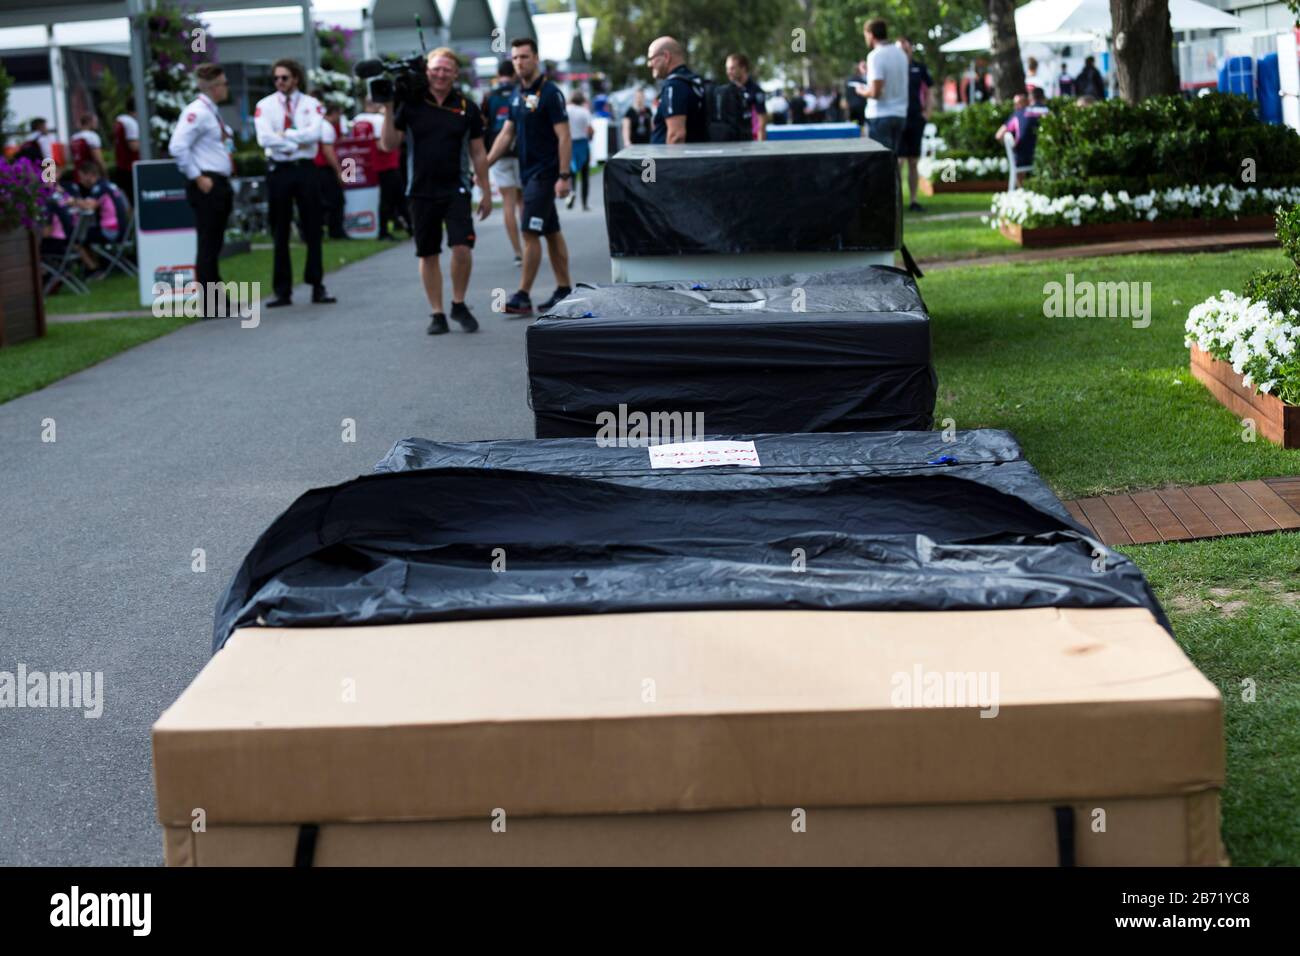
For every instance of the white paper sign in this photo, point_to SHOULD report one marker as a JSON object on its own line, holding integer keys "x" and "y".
{"x": 701, "y": 454}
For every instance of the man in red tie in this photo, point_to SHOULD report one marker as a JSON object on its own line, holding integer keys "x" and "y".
{"x": 288, "y": 124}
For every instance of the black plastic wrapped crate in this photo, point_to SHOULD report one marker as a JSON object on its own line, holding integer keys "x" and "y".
{"x": 521, "y": 528}
{"x": 837, "y": 351}
{"x": 837, "y": 195}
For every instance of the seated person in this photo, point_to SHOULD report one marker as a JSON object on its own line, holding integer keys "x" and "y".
{"x": 1022, "y": 126}
{"x": 59, "y": 223}
{"x": 102, "y": 197}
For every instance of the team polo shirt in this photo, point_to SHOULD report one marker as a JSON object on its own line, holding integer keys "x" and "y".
{"x": 535, "y": 110}
{"x": 1023, "y": 126}
{"x": 437, "y": 144}
{"x": 681, "y": 95}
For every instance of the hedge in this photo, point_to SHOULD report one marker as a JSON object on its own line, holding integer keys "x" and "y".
{"x": 1161, "y": 143}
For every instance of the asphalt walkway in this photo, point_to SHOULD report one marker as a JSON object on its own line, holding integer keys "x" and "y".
{"x": 198, "y": 440}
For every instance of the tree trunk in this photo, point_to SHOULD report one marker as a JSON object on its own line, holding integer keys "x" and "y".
{"x": 1008, "y": 71}
{"x": 1144, "y": 48}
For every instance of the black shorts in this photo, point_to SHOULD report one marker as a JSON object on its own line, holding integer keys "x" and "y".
{"x": 427, "y": 217}
{"x": 909, "y": 144}
{"x": 539, "y": 213}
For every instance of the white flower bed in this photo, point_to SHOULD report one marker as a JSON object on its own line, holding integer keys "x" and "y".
{"x": 1259, "y": 343}
{"x": 337, "y": 88}
{"x": 975, "y": 167}
{"x": 1027, "y": 208}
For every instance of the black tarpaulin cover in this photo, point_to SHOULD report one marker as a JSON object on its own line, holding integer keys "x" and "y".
{"x": 711, "y": 198}
{"x": 853, "y": 521}
{"x": 835, "y": 351}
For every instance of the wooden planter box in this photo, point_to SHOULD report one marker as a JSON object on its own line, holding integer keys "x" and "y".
{"x": 932, "y": 187}
{"x": 1119, "y": 231}
{"x": 1274, "y": 419}
{"x": 22, "y": 304}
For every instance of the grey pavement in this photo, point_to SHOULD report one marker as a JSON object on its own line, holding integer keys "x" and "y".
{"x": 198, "y": 440}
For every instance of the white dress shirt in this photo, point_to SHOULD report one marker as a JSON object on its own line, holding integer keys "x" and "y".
{"x": 284, "y": 141}
{"x": 197, "y": 143}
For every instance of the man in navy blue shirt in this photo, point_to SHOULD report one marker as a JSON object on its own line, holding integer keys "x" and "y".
{"x": 539, "y": 126}
{"x": 1022, "y": 126}
{"x": 680, "y": 116}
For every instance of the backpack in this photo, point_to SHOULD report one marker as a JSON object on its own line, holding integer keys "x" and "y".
{"x": 728, "y": 112}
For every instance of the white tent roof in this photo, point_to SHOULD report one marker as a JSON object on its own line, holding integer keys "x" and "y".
{"x": 1076, "y": 21}
{"x": 556, "y": 34}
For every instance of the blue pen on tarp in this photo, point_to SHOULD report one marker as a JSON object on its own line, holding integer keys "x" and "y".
{"x": 589, "y": 315}
{"x": 699, "y": 287}
{"x": 943, "y": 460}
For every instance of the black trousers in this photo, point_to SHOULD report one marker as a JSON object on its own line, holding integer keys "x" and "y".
{"x": 390, "y": 200}
{"x": 331, "y": 191}
{"x": 287, "y": 185}
{"x": 211, "y": 213}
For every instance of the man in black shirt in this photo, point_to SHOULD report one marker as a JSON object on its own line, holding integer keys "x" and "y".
{"x": 681, "y": 116}
{"x": 919, "y": 83}
{"x": 539, "y": 126}
{"x": 1090, "y": 82}
{"x": 444, "y": 143}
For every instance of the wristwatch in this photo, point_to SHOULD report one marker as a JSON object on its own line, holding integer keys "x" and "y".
{"x": 566, "y": 175}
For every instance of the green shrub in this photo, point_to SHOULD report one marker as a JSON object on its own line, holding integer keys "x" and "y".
{"x": 250, "y": 163}
{"x": 1288, "y": 233}
{"x": 1281, "y": 290}
{"x": 969, "y": 132}
{"x": 1163, "y": 142}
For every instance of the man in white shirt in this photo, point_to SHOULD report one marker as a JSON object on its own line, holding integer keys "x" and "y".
{"x": 288, "y": 124}
{"x": 201, "y": 144}
{"x": 580, "y": 136}
{"x": 886, "y": 91}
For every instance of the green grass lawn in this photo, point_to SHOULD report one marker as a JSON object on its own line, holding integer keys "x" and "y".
{"x": 928, "y": 239}
{"x": 121, "y": 293}
{"x": 1099, "y": 405}
{"x": 1235, "y": 610}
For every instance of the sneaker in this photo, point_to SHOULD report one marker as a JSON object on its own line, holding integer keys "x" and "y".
{"x": 438, "y": 326}
{"x": 519, "y": 304}
{"x": 560, "y": 294}
{"x": 915, "y": 206}
{"x": 569, "y": 204}
{"x": 519, "y": 261}
{"x": 463, "y": 317}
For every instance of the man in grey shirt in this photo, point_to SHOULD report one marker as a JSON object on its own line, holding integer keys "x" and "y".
{"x": 886, "y": 86}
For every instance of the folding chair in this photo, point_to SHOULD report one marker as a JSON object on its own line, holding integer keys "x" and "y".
{"x": 58, "y": 268}
{"x": 1014, "y": 182}
{"x": 119, "y": 254}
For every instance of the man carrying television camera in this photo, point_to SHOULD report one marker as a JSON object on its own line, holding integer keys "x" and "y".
{"x": 444, "y": 140}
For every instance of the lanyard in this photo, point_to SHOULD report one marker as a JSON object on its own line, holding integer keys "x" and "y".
{"x": 220, "y": 125}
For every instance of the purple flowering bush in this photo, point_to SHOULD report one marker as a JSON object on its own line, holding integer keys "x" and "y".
{"x": 23, "y": 195}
